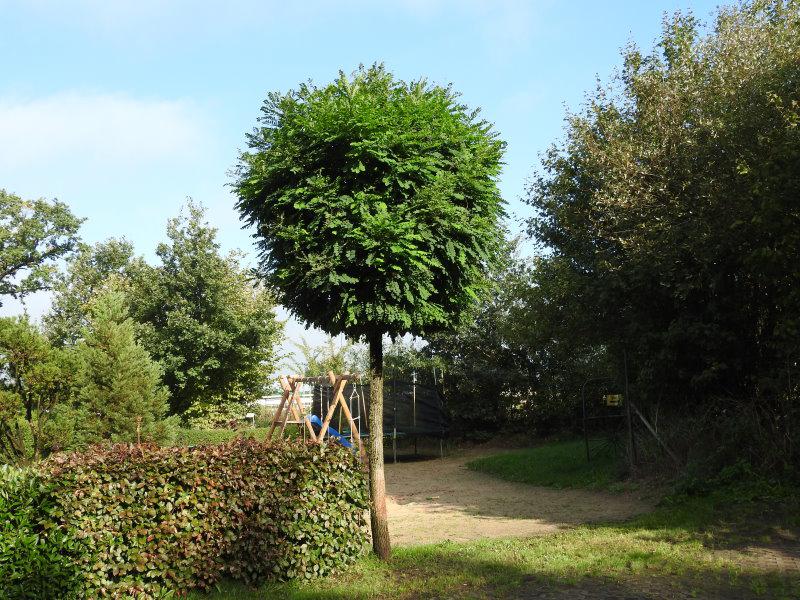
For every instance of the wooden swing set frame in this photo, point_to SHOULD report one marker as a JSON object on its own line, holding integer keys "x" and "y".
{"x": 292, "y": 405}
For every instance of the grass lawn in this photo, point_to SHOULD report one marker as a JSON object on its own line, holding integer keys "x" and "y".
{"x": 675, "y": 549}
{"x": 559, "y": 465}
{"x": 687, "y": 545}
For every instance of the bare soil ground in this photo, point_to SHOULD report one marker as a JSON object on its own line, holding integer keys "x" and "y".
{"x": 440, "y": 499}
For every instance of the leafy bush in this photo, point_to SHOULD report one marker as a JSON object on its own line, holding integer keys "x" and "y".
{"x": 144, "y": 521}
{"x": 199, "y": 437}
{"x": 264, "y": 415}
{"x": 36, "y": 382}
{"x": 32, "y": 557}
{"x": 217, "y": 413}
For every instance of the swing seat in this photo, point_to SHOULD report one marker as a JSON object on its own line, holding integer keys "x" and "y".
{"x": 316, "y": 423}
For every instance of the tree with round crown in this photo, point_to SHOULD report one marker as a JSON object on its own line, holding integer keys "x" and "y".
{"x": 376, "y": 212}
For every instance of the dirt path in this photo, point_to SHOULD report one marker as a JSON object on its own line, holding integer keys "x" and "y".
{"x": 437, "y": 500}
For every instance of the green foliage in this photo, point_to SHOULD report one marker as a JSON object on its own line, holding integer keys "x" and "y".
{"x": 201, "y": 437}
{"x": 559, "y": 465}
{"x": 201, "y": 317}
{"x": 209, "y": 416}
{"x": 402, "y": 359}
{"x": 146, "y": 521}
{"x": 87, "y": 273}
{"x": 671, "y": 212}
{"x": 120, "y": 385}
{"x": 36, "y": 391}
{"x": 374, "y": 201}
{"x": 34, "y": 234}
{"x": 486, "y": 378}
{"x": 520, "y": 359}
{"x": 318, "y": 360}
{"x": 33, "y": 559}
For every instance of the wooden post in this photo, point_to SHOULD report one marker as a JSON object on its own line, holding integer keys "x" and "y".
{"x": 650, "y": 428}
{"x": 628, "y": 414}
{"x": 349, "y": 417}
{"x": 298, "y": 410}
{"x": 290, "y": 409}
{"x": 291, "y": 404}
{"x": 337, "y": 383}
{"x": 278, "y": 414}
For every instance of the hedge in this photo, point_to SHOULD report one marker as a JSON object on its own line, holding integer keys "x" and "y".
{"x": 146, "y": 522}
{"x": 31, "y": 560}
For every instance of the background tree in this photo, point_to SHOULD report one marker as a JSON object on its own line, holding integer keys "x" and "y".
{"x": 201, "y": 317}
{"x": 519, "y": 361}
{"x": 37, "y": 389}
{"x": 318, "y": 360}
{"x": 376, "y": 211}
{"x": 672, "y": 209}
{"x": 120, "y": 385}
{"x": 34, "y": 234}
{"x": 403, "y": 358}
{"x": 488, "y": 376}
{"x": 87, "y": 271}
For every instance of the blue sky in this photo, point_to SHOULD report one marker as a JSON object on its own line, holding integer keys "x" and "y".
{"x": 122, "y": 109}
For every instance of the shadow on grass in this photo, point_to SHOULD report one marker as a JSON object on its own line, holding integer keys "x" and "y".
{"x": 520, "y": 569}
{"x": 699, "y": 547}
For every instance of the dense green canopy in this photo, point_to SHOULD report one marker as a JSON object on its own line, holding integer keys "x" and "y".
{"x": 34, "y": 235}
{"x": 203, "y": 319}
{"x": 674, "y": 202}
{"x": 87, "y": 272}
{"x": 375, "y": 203}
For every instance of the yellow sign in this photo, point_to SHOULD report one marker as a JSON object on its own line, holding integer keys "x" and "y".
{"x": 613, "y": 399}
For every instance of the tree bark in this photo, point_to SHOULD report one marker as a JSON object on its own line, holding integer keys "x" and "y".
{"x": 377, "y": 483}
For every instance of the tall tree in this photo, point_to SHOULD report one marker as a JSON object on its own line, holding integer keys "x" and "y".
{"x": 203, "y": 319}
{"x": 34, "y": 234}
{"x": 87, "y": 272}
{"x": 672, "y": 204}
{"x": 120, "y": 385}
{"x": 376, "y": 211}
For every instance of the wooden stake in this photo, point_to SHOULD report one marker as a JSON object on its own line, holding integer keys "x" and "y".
{"x": 286, "y": 391}
{"x": 338, "y": 385}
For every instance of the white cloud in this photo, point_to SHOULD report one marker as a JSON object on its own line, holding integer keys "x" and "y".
{"x": 100, "y": 129}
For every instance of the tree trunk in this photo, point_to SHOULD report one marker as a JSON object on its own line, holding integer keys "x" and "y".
{"x": 377, "y": 484}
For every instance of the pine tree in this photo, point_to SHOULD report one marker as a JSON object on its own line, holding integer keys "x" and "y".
{"x": 119, "y": 382}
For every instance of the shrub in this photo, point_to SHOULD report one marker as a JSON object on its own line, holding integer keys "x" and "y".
{"x": 215, "y": 414}
{"x": 32, "y": 557}
{"x": 200, "y": 437}
{"x": 148, "y": 520}
{"x": 36, "y": 381}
